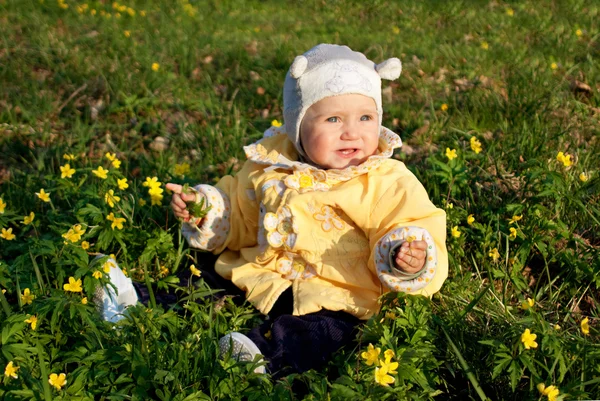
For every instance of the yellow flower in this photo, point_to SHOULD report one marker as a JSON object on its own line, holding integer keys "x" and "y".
{"x": 494, "y": 254}
{"x": 395, "y": 30}
{"x": 84, "y": 300}
{"x": 485, "y": 45}
{"x": 444, "y": 107}
{"x": 195, "y": 271}
{"x": 557, "y": 326}
{"x": 513, "y": 233}
{"x": 515, "y": 218}
{"x": 151, "y": 182}
{"x": 111, "y": 198}
{"x": 371, "y": 355}
{"x": 470, "y": 219}
{"x": 388, "y": 365}
{"x": 32, "y": 320}
{"x": 455, "y": 232}
{"x": 100, "y": 172}
{"x": 66, "y": 171}
{"x": 116, "y": 163}
{"x": 528, "y": 339}
{"x": 97, "y": 274}
{"x": 164, "y": 271}
{"x": 143, "y": 13}
{"x": 68, "y": 156}
{"x": 74, "y": 234}
{"x": 382, "y": 377}
{"x": 142, "y": 202}
{"x": 565, "y": 159}
{"x": 122, "y": 184}
{"x": 388, "y": 355}
{"x": 110, "y": 156}
{"x": 527, "y": 304}
{"x": 127, "y": 34}
{"x": 182, "y": 169}
{"x": 10, "y": 370}
{"x": 117, "y": 223}
{"x": 27, "y": 297}
{"x": 156, "y": 200}
{"x": 43, "y": 195}
{"x": 553, "y": 66}
{"x": 451, "y": 153}
{"x": 58, "y": 381}
{"x": 475, "y": 145}
{"x": 585, "y": 327}
{"x": 93, "y": 11}
{"x": 578, "y": 33}
{"x": 28, "y": 219}
{"x": 2, "y": 206}
{"x": 583, "y": 177}
{"x": 73, "y": 285}
{"x": 107, "y": 266}
{"x": 276, "y": 123}
{"x": 551, "y": 391}
{"x": 7, "y": 234}
{"x": 155, "y": 191}
{"x": 155, "y": 66}
{"x": 85, "y": 245}
{"x": 510, "y": 12}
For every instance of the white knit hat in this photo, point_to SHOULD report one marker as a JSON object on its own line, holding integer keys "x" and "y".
{"x": 331, "y": 70}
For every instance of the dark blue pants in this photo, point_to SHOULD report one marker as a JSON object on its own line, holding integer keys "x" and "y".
{"x": 290, "y": 344}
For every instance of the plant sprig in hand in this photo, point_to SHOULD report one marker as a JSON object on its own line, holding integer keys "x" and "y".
{"x": 197, "y": 210}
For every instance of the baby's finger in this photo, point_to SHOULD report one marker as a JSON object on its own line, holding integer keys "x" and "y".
{"x": 176, "y": 188}
{"x": 188, "y": 197}
{"x": 418, "y": 245}
{"x": 177, "y": 201}
{"x": 406, "y": 267}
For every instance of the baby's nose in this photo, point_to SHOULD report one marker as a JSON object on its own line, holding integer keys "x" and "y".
{"x": 350, "y": 131}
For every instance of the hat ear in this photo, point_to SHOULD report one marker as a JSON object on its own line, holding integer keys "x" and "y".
{"x": 298, "y": 66}
{"x": 389, "y": 69}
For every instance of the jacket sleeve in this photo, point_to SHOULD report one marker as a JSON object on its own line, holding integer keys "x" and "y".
{"x": 232, "y": 221}
{"x": 402, "y": 211}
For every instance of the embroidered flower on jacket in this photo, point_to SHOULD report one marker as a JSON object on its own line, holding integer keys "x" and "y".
{"x": 307, "y": 180}
{"x": 280, "y": 228}
{"x": 293, "y": 267}
{"x": 329, "y": 219}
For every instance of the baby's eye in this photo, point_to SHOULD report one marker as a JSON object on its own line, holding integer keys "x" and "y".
{"x": 366, "y": 117}
{"x": 333, "y": 119}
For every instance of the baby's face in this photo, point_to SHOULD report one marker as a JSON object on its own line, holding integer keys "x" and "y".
{"x": 340, "y": 131}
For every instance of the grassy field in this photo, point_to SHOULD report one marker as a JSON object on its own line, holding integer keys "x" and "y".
{"x": 499, "y": 110}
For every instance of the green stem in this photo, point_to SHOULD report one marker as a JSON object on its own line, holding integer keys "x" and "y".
{"x": 5, "y": 304}
{"x": 150, "y": 291}
{"x": 45, "y": 376}
{"x": 38, "y": 274}
{"x": 468, "y": 371}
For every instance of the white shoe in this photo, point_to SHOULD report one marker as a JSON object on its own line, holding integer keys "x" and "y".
{"x": 241, "y": 348}
{"x": 110, "y": 303}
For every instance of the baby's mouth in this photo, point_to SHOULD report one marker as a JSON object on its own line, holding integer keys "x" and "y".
{"x": 347, "y": 152}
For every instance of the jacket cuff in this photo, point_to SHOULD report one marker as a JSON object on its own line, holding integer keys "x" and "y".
{"x": 395, "y": 279}
{"x": 215, "y": 227}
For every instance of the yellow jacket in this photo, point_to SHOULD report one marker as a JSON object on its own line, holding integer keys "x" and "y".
{"x": 328, "y": 234}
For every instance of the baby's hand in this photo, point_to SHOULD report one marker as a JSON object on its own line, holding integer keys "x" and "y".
{"x": 410, "y": 257}
{"x": 179, "y": 201}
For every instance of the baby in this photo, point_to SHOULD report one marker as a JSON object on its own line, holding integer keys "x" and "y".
{"x": 320, "y": 221}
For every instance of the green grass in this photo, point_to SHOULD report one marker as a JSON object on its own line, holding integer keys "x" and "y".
{"x": 83, "y": 84}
